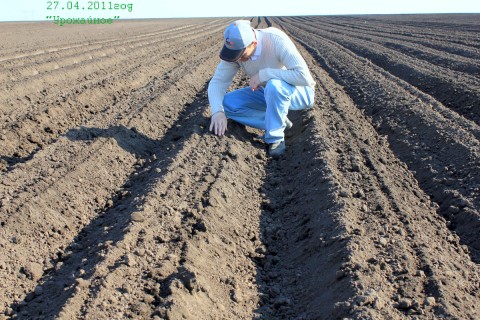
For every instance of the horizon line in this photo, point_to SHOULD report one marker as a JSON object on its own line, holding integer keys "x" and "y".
{"x": 294, "y": 15}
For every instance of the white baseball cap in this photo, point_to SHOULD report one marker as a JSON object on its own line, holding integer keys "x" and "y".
{"x": 238, "y": 35}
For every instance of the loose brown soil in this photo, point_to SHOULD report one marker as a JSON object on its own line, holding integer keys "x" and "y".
{"x": 117, "y": 203}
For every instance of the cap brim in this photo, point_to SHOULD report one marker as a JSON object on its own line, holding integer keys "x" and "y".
{"x": 231, "y": 55}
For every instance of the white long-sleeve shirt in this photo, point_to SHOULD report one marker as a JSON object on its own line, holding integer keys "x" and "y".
{"x": 275, "y": 57}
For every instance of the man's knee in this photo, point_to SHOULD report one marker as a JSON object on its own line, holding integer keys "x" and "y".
{"x": 278, "y": 87}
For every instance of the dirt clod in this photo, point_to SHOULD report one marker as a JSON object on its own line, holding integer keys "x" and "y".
{"x": 430, "y": 301}
{"x": 33, "y": 271}
{"x": 404, "y": 303}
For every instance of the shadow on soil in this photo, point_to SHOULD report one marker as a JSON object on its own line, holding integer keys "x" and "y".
{"x": 87, "y": 250}
{"x": 8, "y": 163}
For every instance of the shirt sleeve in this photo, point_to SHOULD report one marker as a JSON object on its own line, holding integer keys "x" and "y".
{"x": 218, "y": 86}
{"x": 296, "y": 71}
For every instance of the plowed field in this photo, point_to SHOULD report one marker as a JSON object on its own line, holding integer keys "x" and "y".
{"x": 117, "y": 203}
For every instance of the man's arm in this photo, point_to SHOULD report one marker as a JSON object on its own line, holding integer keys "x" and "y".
{"x": 217, "y": 88}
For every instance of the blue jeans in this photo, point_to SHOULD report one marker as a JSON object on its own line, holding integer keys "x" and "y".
{"x": 267, "y": 108}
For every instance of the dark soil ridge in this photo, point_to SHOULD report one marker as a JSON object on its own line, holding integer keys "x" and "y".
{"x": 443, "y": 156}
{"x": 99, "y": 96}
{"x": 459, "y": 42}
{"x": 364, "y": 169}
{"x": 403, "y": 44}
{"x": 455, "y": 90}
{"x": 139, "y": 98}
{"x": 91, "y": 51}
{"x": 82, "y": 70}
{"x": 76, "y": 209}
{"x": 435, "y": 23}
{"x": 103, "y": 34}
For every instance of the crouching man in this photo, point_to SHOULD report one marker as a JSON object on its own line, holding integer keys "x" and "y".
{"x": 279, "y": 81}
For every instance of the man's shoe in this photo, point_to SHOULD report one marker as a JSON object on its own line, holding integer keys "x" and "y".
{"x": 275, "y": 150}
{"x": 288, "y": 124}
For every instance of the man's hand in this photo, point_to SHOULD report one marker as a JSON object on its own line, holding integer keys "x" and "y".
{"x": 218, "y": 123}
{"x": 254, "y": 82}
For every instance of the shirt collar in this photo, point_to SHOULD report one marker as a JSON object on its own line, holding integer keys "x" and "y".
{"x": 258, "y": 50}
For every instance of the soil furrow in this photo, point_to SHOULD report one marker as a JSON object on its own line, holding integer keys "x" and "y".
{"x": 440, "y": 58}
{"x": 438, "y": 154}
{"x": 71, "y": 215}
{"x": 416, "y": 37}
{"x": 455, "y": 40}
{"x": 55, "y": 120}
{"x": 26, "y": 178}
{"x": 96, "y": 51}
{"x": 167, "y": 262}
{"x": 376, "y": 198}
{"x": 90, "y": 67}
{"x": 455, "y": 90}
{"x": 20, "y": 52}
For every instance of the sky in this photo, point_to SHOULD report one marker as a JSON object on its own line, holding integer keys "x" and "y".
{"x": 31, "y": 10}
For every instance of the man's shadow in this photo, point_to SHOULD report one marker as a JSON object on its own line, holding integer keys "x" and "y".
{"x": 129, "y": 139}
